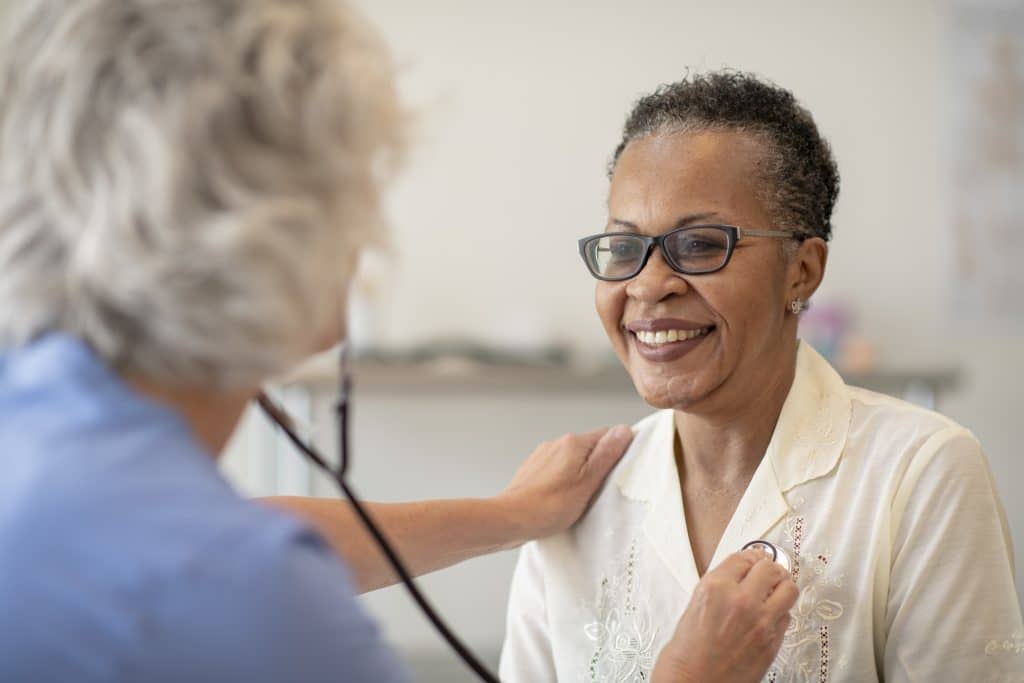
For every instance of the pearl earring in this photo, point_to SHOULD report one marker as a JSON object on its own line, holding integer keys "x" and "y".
{"x": 796, "y": 306}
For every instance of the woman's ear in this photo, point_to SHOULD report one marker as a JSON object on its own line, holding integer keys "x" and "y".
{"x": 807, "y": 268}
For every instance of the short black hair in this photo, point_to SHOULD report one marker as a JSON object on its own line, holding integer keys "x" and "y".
{"x": 800, "y": 176}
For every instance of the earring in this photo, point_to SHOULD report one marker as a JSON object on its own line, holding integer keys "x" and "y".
{"x": 796, "y": 306}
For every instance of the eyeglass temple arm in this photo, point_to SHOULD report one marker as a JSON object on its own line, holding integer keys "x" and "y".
{"x": 740, "y": 232}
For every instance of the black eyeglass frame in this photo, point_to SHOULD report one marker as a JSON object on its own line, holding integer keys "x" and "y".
{"x": 733, "y": 235}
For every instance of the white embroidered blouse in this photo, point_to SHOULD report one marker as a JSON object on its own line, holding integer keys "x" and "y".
{"x": 900, "y": 545}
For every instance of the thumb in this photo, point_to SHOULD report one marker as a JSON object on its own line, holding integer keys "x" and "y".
{"x": 590, "y": 439}
{"x": 609, "y": 450}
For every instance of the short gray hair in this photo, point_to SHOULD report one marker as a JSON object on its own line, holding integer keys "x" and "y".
{"x": 800, "y": 177}
{"x": 181, "y": 181}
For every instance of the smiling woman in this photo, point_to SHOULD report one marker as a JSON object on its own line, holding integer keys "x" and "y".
{"x": 675, "y": 183}
{"x": 719, "y": 213}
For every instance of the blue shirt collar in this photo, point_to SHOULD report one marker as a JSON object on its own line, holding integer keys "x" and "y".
{"x": 65, "y": 372}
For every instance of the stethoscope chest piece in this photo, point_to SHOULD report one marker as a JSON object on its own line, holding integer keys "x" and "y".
{"x": 777, "y": 554}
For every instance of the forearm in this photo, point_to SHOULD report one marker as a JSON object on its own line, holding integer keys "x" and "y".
{"x": 547, "y": 495}
{"x": 428, "y": 535}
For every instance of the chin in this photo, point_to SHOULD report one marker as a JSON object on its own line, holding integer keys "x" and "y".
{"x": 677, "y": 393}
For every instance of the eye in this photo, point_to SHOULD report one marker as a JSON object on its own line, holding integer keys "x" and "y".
{"x": 697, "y": 246}
{"x": 698, "y": 243}
{"x": 624, "y": 248}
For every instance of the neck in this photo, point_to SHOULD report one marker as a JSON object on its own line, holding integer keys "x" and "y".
{"x": 211, "y": 415}
{"x": 724, "y": 446}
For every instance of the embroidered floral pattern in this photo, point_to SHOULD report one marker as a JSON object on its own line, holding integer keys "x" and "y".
{"x": 623, "y": 633}
{"x": 818, "y": 429}
{"x": 806, "y": 655}
{"x": 1013, "y": 645}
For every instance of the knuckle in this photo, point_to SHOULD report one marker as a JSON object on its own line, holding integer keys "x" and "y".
{"x": 792, "y": 593}
{"x": 742, "y": 603}
{"x": 749, "y": 557}
{"x": 712, "y": 585}
{"x": 778, "y": 576}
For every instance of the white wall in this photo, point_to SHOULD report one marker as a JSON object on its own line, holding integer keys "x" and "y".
{"x": 520, "y": 103}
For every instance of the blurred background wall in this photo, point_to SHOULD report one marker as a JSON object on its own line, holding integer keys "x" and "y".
{"x": 517, "y": 108}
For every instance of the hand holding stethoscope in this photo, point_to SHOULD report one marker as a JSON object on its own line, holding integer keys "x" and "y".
{"x": 773, "y": 551}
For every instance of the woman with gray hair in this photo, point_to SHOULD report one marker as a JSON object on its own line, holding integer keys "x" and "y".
{"x": 184, "y": 187}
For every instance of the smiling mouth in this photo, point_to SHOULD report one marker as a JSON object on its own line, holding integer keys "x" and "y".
{"x": 663, "y": 337}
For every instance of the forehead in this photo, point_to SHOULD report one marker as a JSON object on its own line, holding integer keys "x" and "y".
{"x": 661, "y": 178}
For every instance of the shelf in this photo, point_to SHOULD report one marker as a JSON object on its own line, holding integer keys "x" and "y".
{"x": 450, "y": 376}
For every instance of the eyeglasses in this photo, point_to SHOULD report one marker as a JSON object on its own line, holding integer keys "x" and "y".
{"x": 690, "y": 250}
{"x": 338, "y": 472}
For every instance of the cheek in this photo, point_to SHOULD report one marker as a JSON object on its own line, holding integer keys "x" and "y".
{"x": 609, "y": 300}
{"x": 746, "y": 312}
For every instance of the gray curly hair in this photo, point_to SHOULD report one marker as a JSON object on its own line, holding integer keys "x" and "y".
{"x": 183, "y": 181}
{"x": 801, "y": 179}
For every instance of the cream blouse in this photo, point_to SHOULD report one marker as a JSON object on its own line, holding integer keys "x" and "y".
{"x": 899, "y": 541}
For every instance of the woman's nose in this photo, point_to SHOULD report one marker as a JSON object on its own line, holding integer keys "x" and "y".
{"x": 657, "y": 281}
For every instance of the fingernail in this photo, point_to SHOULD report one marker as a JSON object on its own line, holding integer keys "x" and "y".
{"x": 622, "y": 432}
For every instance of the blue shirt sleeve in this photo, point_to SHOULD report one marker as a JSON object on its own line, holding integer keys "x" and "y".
{"x": 276, "y": 608}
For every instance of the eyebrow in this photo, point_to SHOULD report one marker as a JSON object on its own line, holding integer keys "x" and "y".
{"x": 681, "y": 222}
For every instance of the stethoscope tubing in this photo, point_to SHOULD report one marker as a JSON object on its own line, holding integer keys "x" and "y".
{"x": 281, "y": 419}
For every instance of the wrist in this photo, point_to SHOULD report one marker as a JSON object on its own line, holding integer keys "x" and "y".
{"x": 673, "y": 669}
{"x": 513, "y": 520}
{"x": 673, "y": 675}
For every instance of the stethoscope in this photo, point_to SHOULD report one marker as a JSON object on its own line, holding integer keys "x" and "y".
{"x": 283, "y": 420}
{"x": 773, "y": 551}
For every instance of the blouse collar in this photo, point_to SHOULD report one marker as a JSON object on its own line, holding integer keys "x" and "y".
{"x": 807, "y": 443}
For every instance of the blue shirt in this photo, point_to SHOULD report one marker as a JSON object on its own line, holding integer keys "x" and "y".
{"x": 125, "y": 556}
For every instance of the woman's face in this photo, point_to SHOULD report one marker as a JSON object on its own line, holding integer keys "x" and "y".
{"x": 739, "y": 314}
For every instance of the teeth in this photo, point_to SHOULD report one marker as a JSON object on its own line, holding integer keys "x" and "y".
{"x": 669, "y": 336}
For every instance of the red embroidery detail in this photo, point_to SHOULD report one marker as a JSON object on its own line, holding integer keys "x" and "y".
{"x": 798, "y": 538}
{"x": 824, "y": 655}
